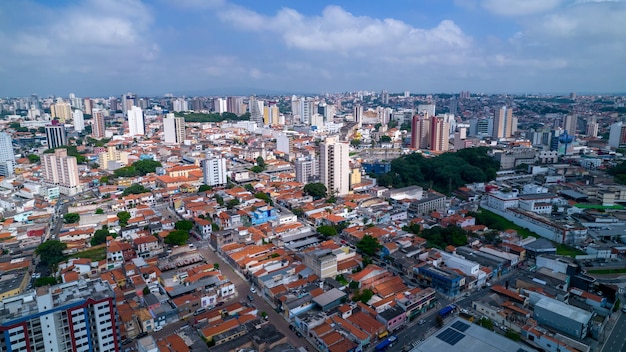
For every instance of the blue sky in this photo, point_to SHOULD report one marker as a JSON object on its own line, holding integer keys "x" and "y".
{"x": 108, "y": 47}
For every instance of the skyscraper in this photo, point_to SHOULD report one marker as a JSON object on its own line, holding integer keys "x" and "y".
{"x": 503, "y": 123}
{"x": 271, "y": 114}
{"x": 420, "y": 128}
{"x": 61, "y": 111}
{"x": 214, "y": 170}
{"x": 79, "y": 121}
{"x": 358, "y": 115}
{"x": 77, "y": 316}
{"x": 7, "y": 157}
{"x": 88, "y": 106}
{"x": 570, "y": 124}
{"x": 128, "y": 101}
{"x": 219, "y": 105}
{"x": 234, "y": 105}
{"x": 617, "y": 135}
{"x": 173, "y": 129}
{"x": 306, "y": 170}
{"x": 98, "y": 126}
{"x": 592, "y": 127}
{"x": 335, "y": 166}
{"x": 384, "y": 97}
{"x": 256, "y": 111}
{"x": 135, "y": 121}
{"x": 55, "y": 135}
{"x": 61, "y": 170}
{"x": 439, "y": 134}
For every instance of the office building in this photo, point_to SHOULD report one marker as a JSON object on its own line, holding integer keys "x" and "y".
{"x": 7, "y": 157}
{"x": 503, "y": 123}
{"x": 214, "y": 170}
{"x": 61, "y": 111}
{"x": 135, "y": 121}
{"x": 55, "y": 135}
{"x": 79, "y": 121}
{"x": 61, "y": 170}
{"x": 335, "y": 166}
{"x": 98, "y": 125}
{"x": 79, "y": 316}
{"x": 420, "y": 128}
{"x": 439, "y": 134}
{"x": 174, "y": 129}
{"x": 306, "y": 170}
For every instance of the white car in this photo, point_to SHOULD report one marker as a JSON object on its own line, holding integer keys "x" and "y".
{"x": 252, "y": 289}
{"x": 158, "y": 328}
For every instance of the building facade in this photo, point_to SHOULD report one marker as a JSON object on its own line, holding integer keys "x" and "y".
{"x": 335, "y": 166}
{"x": 7, "y": 157}
{"x": 174, "y": 129}
{"x": 135, "y": 122}
{"x": 61, "y": 170}
{"x": 55, "y": 135}
{"x": 214, "y": 171}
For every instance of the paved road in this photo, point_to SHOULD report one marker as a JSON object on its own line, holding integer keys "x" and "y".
{"x": 616, "y": 341}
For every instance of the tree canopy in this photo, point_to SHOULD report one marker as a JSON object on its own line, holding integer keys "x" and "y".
{"x": 177, "y": 237}
{"x": 619, "y": 172}
{"x": 71, "y": 151}
{"x": 184, "y": 225}
{"x": 204, "y": 188}
{"x": 138, "y": 168}
{"x": 327, "y": 230}
{"x": 135, "y": 188}
{"x": 51, "y": 252}
{"x": 368, "y": 245}
{"x": 100, "y": 236}
{"x": 316, "y": 190}
{"x": 33, "y": 158}
{"x": 212, "y": 117}
{"x": 444, "y": 173}
{"x": 123, "y": 217}
{"x": 71, "y": 218}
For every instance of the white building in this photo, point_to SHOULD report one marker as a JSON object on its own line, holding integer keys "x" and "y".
{"x": 174, "y": 129}
{"x": 214, "y": 171}
{"x": 335, "y": 166}
{"x": 135, "y": 122}
{"x": 7, "y": 157}
{"x": 61, "y": 170}
{"x": 79, "y": 121}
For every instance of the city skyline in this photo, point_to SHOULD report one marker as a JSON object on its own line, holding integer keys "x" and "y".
{"x": 193, "y": 47}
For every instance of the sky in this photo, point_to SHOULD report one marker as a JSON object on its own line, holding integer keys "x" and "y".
{"x": 101, "y": 48}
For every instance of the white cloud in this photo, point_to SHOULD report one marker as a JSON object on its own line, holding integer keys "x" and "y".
{"x": 341, "y": 32}
{"x": 519, "y": 7}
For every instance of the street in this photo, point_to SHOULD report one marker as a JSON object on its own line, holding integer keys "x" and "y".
{"x": 616, "y": 341}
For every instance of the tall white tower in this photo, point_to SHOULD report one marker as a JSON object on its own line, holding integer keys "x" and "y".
{"x": 174, "y": 129}
{"x": 135, "y": 121}
{"x": 335, "y": 166}
{"x": 7, "y": 157}
{"x": 79, "y": 120}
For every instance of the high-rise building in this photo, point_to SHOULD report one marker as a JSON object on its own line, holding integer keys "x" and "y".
{"x": 112, "y": 159}
{"x": 592, "y": 127}
{"x": 426, "y": 109}
{"x": 181, "y": 104}
{"x": 55, "y": 135}
{"x": 570, "y": 124}
{"x": 219, "y": 105}
{"x": 357, "y": 114}
{"x": 235, "y": 105}
{"x": 439, "y": 134}
{"x": 79, "y": 120}
{"x": 503, "y": 123}
{"x": 61, "y": 170}
{"x": 420, "y": 129}
{"x": 306, "y": 170}
{"x": 174, "y": 129}
{"x": 98, "y": 125}
{"x": 61, "y": 111}
{"x": 214, "y": 170}
{"x": 271, "y": 114}
{"x": 256, "y": 111}
{"x": 88, "y": 103}
{"x": 128, "y": 101}
{"x": 79, "y": 316}
{"x": 135, "y": 121}
{"x": 7, "y": 157}
{"x": 384, "y": 97}
{"x": 617, "y": 135}
{"x": 335, "y": 166}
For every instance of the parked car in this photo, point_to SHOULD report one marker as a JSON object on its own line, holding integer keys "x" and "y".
{"x": 250, "y": 298}
{"x": 158, "y": 328}
{"x": 298, "y": 333}
{"x": 252, "y": 289}
{"x": 421, "y": 322}
{"x": 143, "y": 334}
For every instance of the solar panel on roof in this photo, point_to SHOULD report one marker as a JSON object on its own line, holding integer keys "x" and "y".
{"x": 461, "y": 326}
{"x": 450, "y": 336}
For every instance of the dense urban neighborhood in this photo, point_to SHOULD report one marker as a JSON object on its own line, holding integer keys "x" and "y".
{"x": 357, "y": 221}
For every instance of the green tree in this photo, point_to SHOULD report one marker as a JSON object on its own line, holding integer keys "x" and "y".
{"x": 184, "y": 225}
{"x": 45, "y": 281}
{"x": 146, "y": 290}
{"x": 100, "y": 236}
{"x": 263, "y": 196}
{"x": 123, "y": 217}
{"x": 327, "y": 230}
{"x": 249, "y": 187}
{"x": 177, "y": 237}
{"x": 135, "y": 188}
{"x": 316, "y": 190}
{"x": 299, "y": 212}
{"x": 99, "y": 211}
{"x": 219, "y": 199}
{"x": 366, "y": 295}
{"x": 216, "y": 266}
{"x": 260, "y": 162}
{"x": 145, "y": 167}
{"x": 256, "y": 169}
{"x": 51, "y": 252}
{"x": 104, "y": 180}
{"x": 486, "y": 323}
{"x": 204, "y": 188}
{"x": 355, "y": 143}
{"x": 368, "y": 245}
{"x": 385, "y": 139}
{"x": 71, "y": 218}
{"x": 33, "y": 158}
{"x": 232, "y": 203}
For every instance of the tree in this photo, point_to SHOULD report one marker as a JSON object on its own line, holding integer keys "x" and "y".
{"x": 100, "y": 236}
{"x": 177, "y": 237}
{"x": 385, "y": 139}
{"x": 33, "y": 158}
{"x": 368, "y": 245}
{"x": 145, "y": 167}
{"x": 146, "y": 290}
{"x": 263, "y": 196}
{"x": 366, "y": 295}
{"x": 249, "y": 187}
{"x": 99, "y": 211}
{"x": 71, "y": 218}
{"x": 219, "y": 199}
{"x": 327, "y": 231}
{"x": 260, "y": 162}
{"x": 439, "y": 320}
{"x": 316, "y": 190}
{"x": 297, "y": 212}
{"x": 232, "y": 203}
{"x": 216, "y": 266}
{"x": 51, "y": 252}
{"x": 256, "y": 169}
{"x": 355, "y": 143}
{"x": 184, "y": 225}
{"x": 123, "y": 217}
{"x": 45, "y": 281}
{"x": 486, "y": 323}
{"x": 135, "y": 188}
{"x": 204, "y": 188}
{"x": 104, "y": 180}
